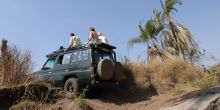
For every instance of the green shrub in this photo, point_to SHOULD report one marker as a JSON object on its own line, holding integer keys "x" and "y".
{"x": 80, "y": 100}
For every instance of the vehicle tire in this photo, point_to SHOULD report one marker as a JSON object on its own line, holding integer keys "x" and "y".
{"x": 105, "y": 69}
{"x": 118, "y": 71}
{"x": 72, "y": 85}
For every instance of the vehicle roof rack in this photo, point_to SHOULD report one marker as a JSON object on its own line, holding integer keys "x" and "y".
{"x": 64, "y": 50}
{"x": 104, "y": 45}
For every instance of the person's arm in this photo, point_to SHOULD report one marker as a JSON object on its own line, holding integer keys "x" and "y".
{"x": 71, "y": 41}
{"x": 90, "y": 37}
{"x": 74, "y": 41}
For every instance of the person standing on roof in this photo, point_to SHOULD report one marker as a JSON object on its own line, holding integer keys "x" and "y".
{"x": 102, "y": 38}
{"x": 74, "y": 41}
{"x": 93, "y": 37}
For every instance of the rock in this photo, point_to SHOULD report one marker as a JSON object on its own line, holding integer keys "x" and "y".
{"x": 214, "y": 105}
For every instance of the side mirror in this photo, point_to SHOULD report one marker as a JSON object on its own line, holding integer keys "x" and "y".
{"x": 45, "y": 68}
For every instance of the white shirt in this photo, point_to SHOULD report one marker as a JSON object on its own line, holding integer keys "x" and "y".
{"x": 103, "y": 39}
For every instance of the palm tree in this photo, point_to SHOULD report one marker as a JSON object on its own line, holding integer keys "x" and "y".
{"x": 149, "y": 35}
{"x": 165, "y": 37}
{"x": 175, "y": 35}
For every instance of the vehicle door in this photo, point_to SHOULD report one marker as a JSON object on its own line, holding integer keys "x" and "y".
{"x": 47, "y": 69}
{"x": 61, "y": 68}
{"x": 81, "y": 64}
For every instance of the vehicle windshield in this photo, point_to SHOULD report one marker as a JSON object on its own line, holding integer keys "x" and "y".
{"x": 102, "y": 55}
{"x": 49, "y": 64}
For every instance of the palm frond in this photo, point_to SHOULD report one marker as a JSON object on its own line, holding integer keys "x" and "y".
{"x": 158, "y": 29}
{"x": 167, "y": 40}
{"x": 159, "y": 18}
{"x": 153, "y": 28}
{"x": 143, "y": 33}
{"x": 150, "y": 27}
{"x": 187, "y": 38}
{"x": 169, "y": 5}
{"x": 181, "y": 39}
{"x": 136, "y": 40}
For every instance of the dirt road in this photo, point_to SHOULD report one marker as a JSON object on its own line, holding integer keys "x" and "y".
{"x": 193, "y": 100}
{"x": 110, "y": 99}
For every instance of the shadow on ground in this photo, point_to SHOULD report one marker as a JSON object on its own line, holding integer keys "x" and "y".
{"x": 127, "y": 92}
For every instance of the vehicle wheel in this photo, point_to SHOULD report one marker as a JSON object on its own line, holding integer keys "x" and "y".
{"x": 118, "y": 71}
{"x": 105, "y": 69}
{"x": 72, "y": 85}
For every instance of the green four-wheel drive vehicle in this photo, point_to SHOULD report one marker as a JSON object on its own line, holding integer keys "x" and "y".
{"x": 74, "y": 68}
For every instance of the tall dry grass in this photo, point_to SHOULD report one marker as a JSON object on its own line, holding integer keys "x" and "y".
{"x": 137, "y": 79}
{"x": 15, "y": 65}
{"x": 173, "y": 74}
{"x": 170, "y": 75}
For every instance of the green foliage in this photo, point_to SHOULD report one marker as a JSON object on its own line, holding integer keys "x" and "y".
{"x": 152, "y": 29}
{"x": 148, "y": 33}
{"x": 144, "y": 34}
{"x": 80, "y": 100}
{"x": 169, "y": 6}
{"x": 133, "y": 41}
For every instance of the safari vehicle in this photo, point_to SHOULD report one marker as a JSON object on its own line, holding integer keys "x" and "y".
{"x": 74, "y": 68}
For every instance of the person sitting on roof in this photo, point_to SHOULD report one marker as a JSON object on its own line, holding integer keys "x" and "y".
{"x": 93, "y": 37}
{"x": 102, "y": 38}
{"x": 74, "y": 41}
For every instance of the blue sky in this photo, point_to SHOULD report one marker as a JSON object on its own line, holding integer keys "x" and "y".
{"x": 41, "y": 26}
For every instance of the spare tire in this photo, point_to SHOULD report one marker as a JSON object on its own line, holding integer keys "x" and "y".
{"x": 118, "y": 71}
{"x": 105, "y": 69}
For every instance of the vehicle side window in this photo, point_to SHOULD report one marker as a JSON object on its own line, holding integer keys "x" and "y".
{"x": 79, "y": 56}
{"x": 99, "y": 56}
{"x": 75, "y": 56}
{"x": 49, "y": 64}
{"x": 66, "y": 59}
{"x": 60, "y": 60}
{"x": 84, "y": 55}
{"x": 107, "y": 57}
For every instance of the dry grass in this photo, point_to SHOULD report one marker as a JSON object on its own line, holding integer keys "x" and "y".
{"x": 38, "y": 92}
{"x": 171, "y": 75}
{"x": 168, "y": 74}
{"x": 14, "y": 65}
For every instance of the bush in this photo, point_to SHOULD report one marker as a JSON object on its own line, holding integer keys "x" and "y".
{"x": 15, "y": 65}
{"x": 80, "y": 100}
{"x": 167, "y": 74}
{"x": 170, "y": 75}
{"x": 137, "y": 79}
